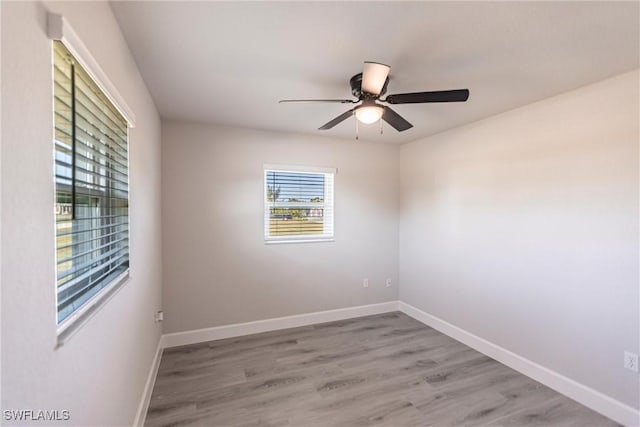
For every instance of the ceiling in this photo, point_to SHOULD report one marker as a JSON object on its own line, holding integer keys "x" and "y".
{"x": 230, "y": 62}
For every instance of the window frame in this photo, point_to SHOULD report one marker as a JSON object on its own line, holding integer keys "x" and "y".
{"x": 58, "y": 29}
{"x": 307, "y": 238}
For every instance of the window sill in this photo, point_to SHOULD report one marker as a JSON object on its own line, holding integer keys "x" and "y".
{"x": 280, "y": 242}
{"x": 77, "y": 320}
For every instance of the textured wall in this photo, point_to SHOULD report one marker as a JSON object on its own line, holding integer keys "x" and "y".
{"x": 217, "y": 268}
{"x": 523, "y": 229}
{"x": 99, "y": 374}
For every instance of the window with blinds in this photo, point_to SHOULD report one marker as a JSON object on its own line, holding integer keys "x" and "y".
{"x": 298, "y": 204}
{"x": 92, "y": 186}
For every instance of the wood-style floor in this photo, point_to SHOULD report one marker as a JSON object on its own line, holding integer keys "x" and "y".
{"x": 383, "y": 370}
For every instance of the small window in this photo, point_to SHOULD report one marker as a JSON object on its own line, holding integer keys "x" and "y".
{"x": 91, "y": 173}
{"x": 298, "y": 204}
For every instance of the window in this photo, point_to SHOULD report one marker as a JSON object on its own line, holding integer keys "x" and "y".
{"x": 91, "y": 187}
{"x": 298, "y": 204}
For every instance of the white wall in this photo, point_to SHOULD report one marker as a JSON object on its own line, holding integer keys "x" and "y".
{"x": 523, "y": 229}
{"x": 99, "y": 374}
{"x": 217, "y": 268}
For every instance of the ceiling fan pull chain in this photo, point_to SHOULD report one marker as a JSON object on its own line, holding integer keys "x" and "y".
{"x": 380, "y": 127}
{"x": 357, "y": 128}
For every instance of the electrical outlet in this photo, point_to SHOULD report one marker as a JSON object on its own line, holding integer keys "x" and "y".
{"x": 388, "y": 283}
{"x": 365, "y": 283}
{"x": 159, "y": 317}
{"x": 631, "y": 361}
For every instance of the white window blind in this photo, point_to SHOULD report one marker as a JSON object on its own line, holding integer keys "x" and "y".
{"x": 91, "y": 183}
{"x": 298, "y": 204}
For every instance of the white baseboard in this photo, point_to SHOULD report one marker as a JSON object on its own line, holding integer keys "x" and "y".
{"x": 148, "y": 387}
{"x": 240, "y": 329}
{"x": 587, "y": 396}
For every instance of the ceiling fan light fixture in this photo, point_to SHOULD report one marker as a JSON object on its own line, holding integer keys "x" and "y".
{"x": 369, "y": 114}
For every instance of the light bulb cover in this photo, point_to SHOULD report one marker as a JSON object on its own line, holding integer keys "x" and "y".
{"x": 368, "y": 114}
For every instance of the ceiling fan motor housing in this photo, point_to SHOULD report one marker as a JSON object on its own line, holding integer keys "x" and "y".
{"x": 356, "y": 88}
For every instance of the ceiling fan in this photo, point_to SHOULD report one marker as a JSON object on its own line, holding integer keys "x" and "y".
{"x": 369, "y": 86}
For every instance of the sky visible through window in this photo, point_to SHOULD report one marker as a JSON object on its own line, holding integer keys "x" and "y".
{"x": 290, "y": 186}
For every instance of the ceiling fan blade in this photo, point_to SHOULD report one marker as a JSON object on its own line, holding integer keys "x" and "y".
{"x": 458, "y": 95}
{"x": 395, "y": 120}
{"x": 341, "y": 101}
{"x": 342, "y": 117}
{"x": 374, "y": 75}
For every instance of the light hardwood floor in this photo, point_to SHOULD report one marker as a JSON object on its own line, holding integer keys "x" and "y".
{"x": 383, "y": 370}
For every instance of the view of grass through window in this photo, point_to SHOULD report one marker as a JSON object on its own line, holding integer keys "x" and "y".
{"x": 297, "y": 204}
{"x": 92, "y": 185}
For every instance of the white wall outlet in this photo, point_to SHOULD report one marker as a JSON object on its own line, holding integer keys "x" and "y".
{"x": 631, "y": 361}
{"x": 388, "y": 283}
{"x": 159, "y": 316}
{"x": 365, "y": 283}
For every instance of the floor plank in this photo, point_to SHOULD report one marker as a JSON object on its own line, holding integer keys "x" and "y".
{"x": 383, "y": 370}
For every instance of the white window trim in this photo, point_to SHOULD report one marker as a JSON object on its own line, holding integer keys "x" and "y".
{"x": 299, "y": 168}
{"x": 296, "y": 168}
{"x": 78, "y": 318}
{"x": 289, "y": 240}
{"x": 59, "y": 29}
